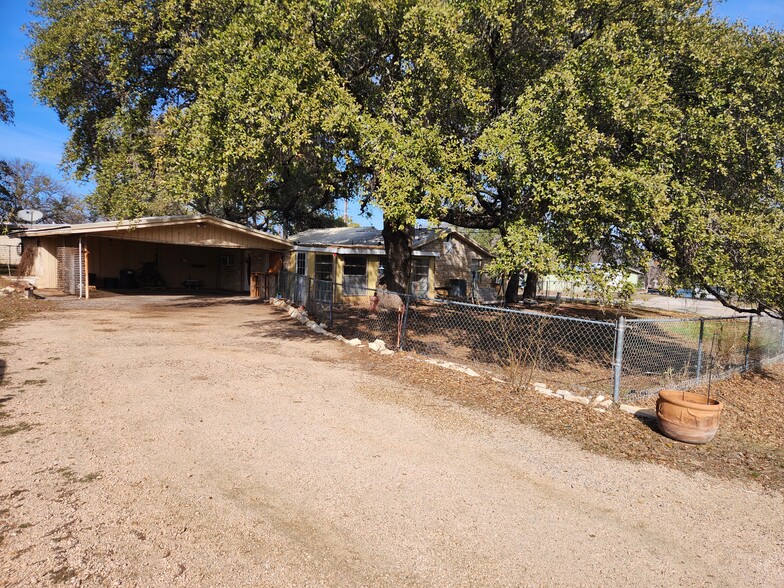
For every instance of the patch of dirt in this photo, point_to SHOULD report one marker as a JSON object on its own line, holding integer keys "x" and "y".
{"x": 748, "y": 446}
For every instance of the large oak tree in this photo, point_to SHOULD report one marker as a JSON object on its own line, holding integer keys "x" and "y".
{"x": 629, "y": 127}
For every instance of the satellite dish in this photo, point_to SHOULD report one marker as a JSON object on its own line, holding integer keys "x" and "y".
{"x": 29, "y": 215}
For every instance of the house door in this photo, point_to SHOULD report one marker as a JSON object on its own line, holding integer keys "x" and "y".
{"x": 420, "y": 274}
{"x": 324, "y": 282}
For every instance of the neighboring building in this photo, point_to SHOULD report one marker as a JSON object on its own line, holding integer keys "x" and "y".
{"x": 552, "y": 285}
{"x": 196, "y": 251}
{"x": 10, "y": 252}
{"x": 354, "y": 259}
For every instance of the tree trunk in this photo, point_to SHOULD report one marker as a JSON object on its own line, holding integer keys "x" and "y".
{"x": 531, "y": 278}
{"x": 398, "y": 245}
{"x": 512, "y": 288}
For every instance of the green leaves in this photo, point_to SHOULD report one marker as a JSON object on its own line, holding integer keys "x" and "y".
{"x": 612, "y": 128}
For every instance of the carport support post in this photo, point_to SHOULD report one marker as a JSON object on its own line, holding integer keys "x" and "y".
{"x": 86, "y": 275}
{"x": 620, "y": 327}
{"x": 748, "y": 345}
{"x": 699, "y": 350}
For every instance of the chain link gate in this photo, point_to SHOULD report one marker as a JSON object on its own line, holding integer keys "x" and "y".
{"x": 70, "y": 270}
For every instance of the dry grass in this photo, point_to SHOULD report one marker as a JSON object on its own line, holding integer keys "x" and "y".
{"x": 14, "y": 309}
{"x": 748, "y": 446}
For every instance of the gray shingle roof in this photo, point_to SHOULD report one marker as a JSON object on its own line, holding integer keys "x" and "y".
{"x": 367, "y": 236}
{"x": 363, "y": 236}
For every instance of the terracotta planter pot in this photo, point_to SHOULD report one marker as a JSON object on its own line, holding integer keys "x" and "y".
{"x": 688, "y": 417}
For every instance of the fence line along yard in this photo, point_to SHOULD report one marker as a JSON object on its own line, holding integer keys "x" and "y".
{"x": 626, "y": 359}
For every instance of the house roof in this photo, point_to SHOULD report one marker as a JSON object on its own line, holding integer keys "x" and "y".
{"x": 362, "y": 236}
{"x": 118, "y": 227}
{"x": 371, "y": 237}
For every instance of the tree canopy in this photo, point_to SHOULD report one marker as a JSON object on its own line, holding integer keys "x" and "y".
{"x": 7, "y": 117}
{"x": 26, "y": 186}
{"x": 632, "y": 128}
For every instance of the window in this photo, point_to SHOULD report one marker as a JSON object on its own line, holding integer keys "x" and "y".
{"x": 324, "y": 267}
{"x": 476, "y": 268}
{"x": 355, "y": 275}
{"x": 420, "y": 272}
{"x": 227, "y": 260}
{"x": 302, "y": 259}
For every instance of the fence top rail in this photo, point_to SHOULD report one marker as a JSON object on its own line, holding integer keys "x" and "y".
{"x": 486, "y": 308}
{"x": 737, "y": 317}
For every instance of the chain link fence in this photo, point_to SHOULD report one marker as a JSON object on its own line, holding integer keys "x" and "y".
{"x": 683, "y": 353}
{"x": 625, "y": 359}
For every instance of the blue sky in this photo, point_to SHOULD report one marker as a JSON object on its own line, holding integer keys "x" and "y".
{"x": 37, "y": 134}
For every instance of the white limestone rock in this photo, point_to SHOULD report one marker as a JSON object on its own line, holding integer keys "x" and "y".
{"x": 377, "y": 345}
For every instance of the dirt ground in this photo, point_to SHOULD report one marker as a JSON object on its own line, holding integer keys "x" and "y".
{"x": 206, "y": 441}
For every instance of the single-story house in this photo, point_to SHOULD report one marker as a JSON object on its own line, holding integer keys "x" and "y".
{"x": 444, "y": 261}
{"x": 194, "y": 251}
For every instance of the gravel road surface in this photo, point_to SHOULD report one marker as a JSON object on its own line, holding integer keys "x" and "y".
{"x": 210, "y": 441}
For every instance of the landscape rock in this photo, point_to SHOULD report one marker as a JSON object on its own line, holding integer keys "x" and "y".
{"x": 377, "y": 345}
{"x": 354, "y": 342}
{"x": 639, "y": 412}
{"x": 387, "y": 352}
{"x": 453, "y": 366}
{"x": 547, "y": 392}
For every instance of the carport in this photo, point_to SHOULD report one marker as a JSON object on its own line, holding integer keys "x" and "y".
{"x": 173, "y": 252}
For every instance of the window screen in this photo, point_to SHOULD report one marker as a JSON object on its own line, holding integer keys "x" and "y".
{"x": 420, "y": 271}
{"x": 355, "y": 275}
{"x": 302, "y": 263}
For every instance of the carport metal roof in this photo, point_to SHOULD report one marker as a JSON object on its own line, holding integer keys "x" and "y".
{"x": 198, "y": 230}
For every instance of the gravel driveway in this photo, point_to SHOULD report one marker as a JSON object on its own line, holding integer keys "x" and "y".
{"x": 206, "y": 441}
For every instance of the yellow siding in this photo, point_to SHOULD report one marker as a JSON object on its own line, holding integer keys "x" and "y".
{"x": 45, "y": 266}
{"x": 373, "y": 264}
{"x": 339, "y": 266}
